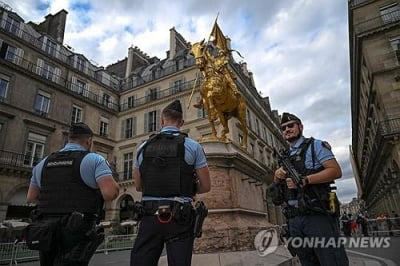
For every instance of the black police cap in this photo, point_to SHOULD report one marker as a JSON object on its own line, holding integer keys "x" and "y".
{"x": 80, "y": 129}
{"x": 286, "y": 117}
{"x": 175, "y": 106}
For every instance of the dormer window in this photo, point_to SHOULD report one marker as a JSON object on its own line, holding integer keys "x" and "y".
{"x": 80, "y": 64}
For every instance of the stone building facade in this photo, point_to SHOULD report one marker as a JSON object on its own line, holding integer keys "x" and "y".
{"x": 374, "y": 28}
{"x": 45, "y": 85}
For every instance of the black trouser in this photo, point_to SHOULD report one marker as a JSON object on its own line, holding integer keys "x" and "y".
{"x": 151, "y": 238}
{"x": 68, "y": 242}
{"x": 318, "y": 226}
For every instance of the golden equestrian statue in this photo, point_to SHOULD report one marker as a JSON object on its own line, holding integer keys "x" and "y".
{"x": 220, "y": 95}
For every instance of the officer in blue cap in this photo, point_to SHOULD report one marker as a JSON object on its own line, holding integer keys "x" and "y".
{"x": 170, "y": 169}
{"x": 69, "y": 187}
{"x": 308, "y": 212}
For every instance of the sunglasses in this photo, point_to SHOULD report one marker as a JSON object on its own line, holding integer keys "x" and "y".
{"x": 291, "y": 125}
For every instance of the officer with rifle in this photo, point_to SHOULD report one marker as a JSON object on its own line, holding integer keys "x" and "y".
{"x": 302, "y": 184}
{"x": 69, "y": 188}
{"x": 170, "y": 169}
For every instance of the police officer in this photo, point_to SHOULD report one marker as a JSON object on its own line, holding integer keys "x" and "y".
{"x": 69, "y": 187}
{"x": 308, "y": 213}
{"x": 164, "y": 173}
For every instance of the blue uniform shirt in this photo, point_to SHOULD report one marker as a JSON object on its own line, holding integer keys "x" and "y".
{"x": 322, "y": 154}
{"x": 194, "y": 155}
{"x": 93, "y": 167}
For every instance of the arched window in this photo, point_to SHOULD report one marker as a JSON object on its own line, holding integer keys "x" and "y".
{"x": 126, "y": 208}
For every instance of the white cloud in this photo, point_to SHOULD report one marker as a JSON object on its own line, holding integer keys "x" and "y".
{"x": 297, "y": 50}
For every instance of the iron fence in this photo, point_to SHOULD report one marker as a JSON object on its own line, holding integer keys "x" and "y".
{"x": 17, "y": 252}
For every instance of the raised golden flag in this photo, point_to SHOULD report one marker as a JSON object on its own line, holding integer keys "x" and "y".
{"x": 218, "y": 38}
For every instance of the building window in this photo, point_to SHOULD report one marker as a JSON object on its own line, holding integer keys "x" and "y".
{"x": 240, "y": 139}
{"x": 80, "y": 86}
{"x": 201, "y": 112}
{"x": 251, "y": 149}
{"x": 262, "y": 156}
{"x": 128, "y": 166}
{"x": 131, "y": 101}
{"x": 257, "y": 127}
{"x": 34, "y": 149}
{"x": 105, "y": 99}
{"x": 4, "y": 81}
{"x": 151, "y": 121}
{"x": 12, "y": 25}
{"x": 42, "y": 102}
{"x": 395, "y": 43}
{"x": 104, "y": 127}
{"x": 128, "y": 128}
{"x": 265, "y": 134}
{"x": 80, "y": 64}
{"x": 48, "y": 70}
{"x": 249, "y": 119}
{"x": 152, "y": 94}
{"x": 176, "y": 86}
{"x": 11, "y": 53}
{"x": 76, "y": 114}
{"x": 390, "y": 13}
{"x": 50, "y": 47}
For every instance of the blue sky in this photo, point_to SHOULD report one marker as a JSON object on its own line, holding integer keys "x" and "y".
{"x": 297, "y": 50}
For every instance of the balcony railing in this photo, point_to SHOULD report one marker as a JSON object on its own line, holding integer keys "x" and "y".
{"x": 354, "y": 3}
{"x": 8, "y": 158}
{"x": 160, "y": 94}
{"x": 386, "y": 129}
{"x": 384, "y": 20}
{"x": 59, "y": 53}
{"x": 156, "y": 74}
{"x": 60, "y": 80}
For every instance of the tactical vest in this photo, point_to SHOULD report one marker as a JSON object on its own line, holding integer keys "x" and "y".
{"x": 62, "y": 188}
{"x": 319, "y": 191}
{"x": 163, "y": 171}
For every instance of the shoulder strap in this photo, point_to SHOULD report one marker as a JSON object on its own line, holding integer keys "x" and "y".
{"x": 154, "y": 137}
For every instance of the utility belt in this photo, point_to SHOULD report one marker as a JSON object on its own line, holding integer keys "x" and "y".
{"x": 291, "y": 211}
{"x": 313, "y": 206}
{"x": 181, "y": 212}
{"x": 166, "y": 210}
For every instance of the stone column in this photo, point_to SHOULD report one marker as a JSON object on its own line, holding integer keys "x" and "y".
{"x": 236, "y": 208}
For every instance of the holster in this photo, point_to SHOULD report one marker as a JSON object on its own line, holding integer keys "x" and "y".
{"x": 43, "y": 234}
{"x": 138, "y": 211}
{"x": 275, "y": 191}
{"x": 201, "y": 214}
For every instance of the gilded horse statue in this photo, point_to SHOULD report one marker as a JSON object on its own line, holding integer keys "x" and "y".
{"x": 220, "y": 96}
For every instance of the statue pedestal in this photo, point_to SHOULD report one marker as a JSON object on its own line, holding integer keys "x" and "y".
{"x": 236, "y": 202}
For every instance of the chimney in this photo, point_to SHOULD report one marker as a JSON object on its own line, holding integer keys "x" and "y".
{"x": 129, "y": 62}
{"x": 54, "y": 25}
{"x": 172, "y": 43}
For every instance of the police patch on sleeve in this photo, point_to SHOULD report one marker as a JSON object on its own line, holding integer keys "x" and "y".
{"x": 326, "y": 145}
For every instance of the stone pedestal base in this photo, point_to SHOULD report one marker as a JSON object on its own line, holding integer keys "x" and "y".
{"x": 237, "y": 202}
{"x": 233, "y": 231}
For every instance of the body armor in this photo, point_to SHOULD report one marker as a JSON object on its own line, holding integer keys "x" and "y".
{"x": 62, "y": 188}
{"x": 316, "y": 196}
{"x": 164, "y": 171}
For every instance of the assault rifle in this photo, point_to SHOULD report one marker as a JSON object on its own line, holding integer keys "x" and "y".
{"x": 288, "y": 167}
